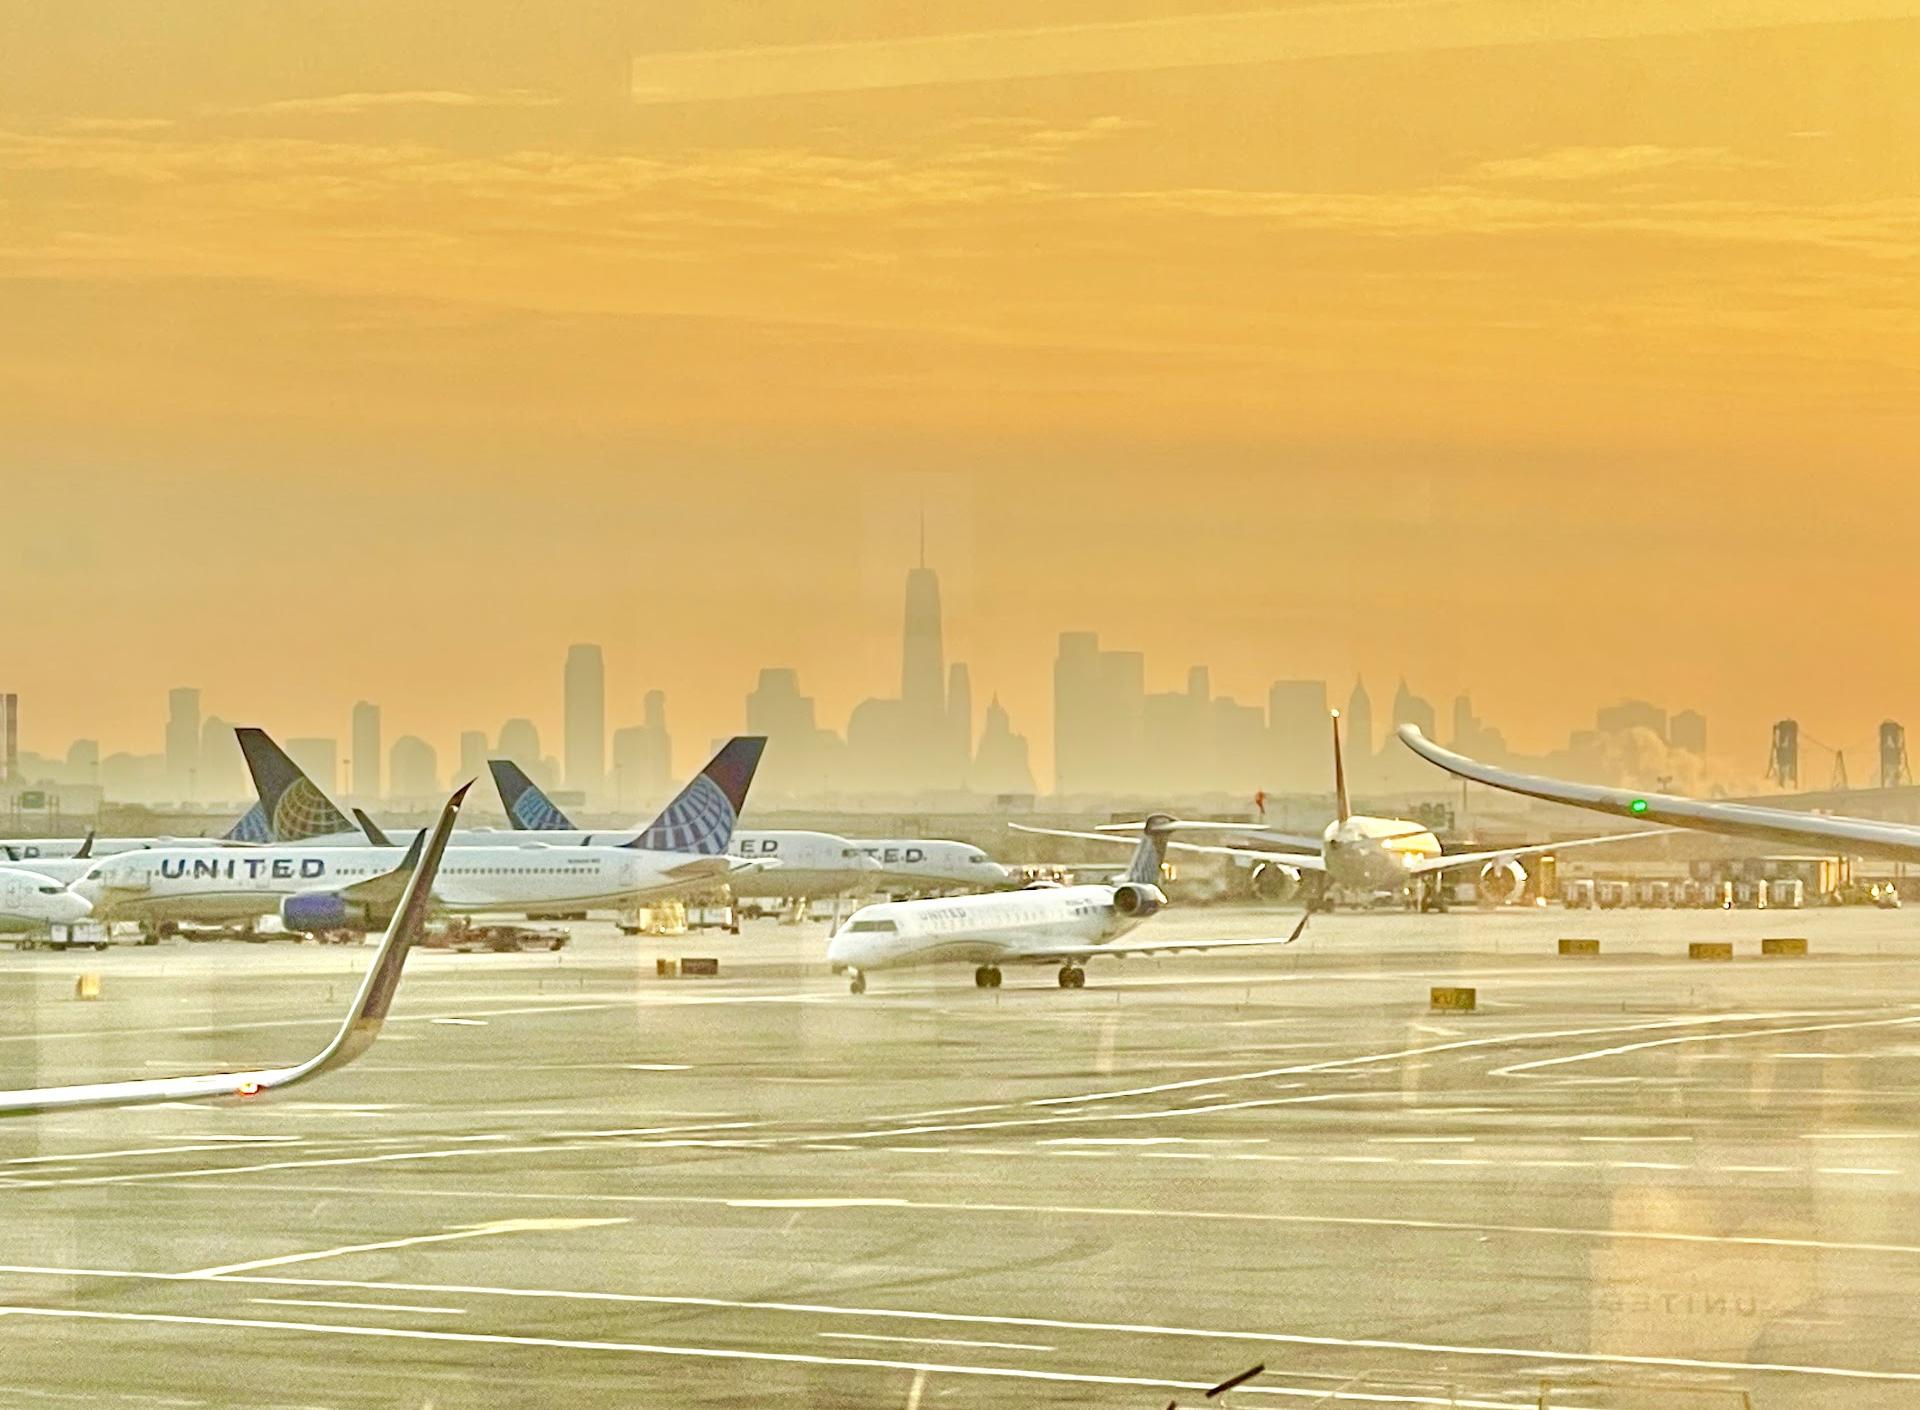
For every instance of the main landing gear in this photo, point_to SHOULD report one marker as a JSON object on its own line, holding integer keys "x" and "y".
{"x": 1072, "y": 977}
{"x": 858, "y": 984}
{"x": 986, "y": 977}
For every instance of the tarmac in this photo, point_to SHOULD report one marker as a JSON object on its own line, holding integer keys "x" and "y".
{"x": 1627, "y": 1181}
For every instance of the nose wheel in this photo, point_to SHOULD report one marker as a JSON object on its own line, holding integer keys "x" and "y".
{"x": 1072, "y": 977}
{"x": 858, "y": 983}
{"x": 986, "y": 977}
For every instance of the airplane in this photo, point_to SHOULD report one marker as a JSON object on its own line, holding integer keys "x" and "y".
{"x": 365, "y": 1016}
{"x": 811, "y": 864}
{"x": 32, "y": 902}
{"x": 928, "y": 864}
{"x": 1043, "y": 924}
{"x": 1356, "y": 853}
{"x": 1861, "y": 837}
{"x": 289, "y": 808}
{"x": 329, "y": 886}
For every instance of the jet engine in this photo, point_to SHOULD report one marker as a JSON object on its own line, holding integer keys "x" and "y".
{"x": 1502, "y": 880}
{"x": 1138, "y": 899}
{"x": 321, "y": 911}
{"x": 1269, "y": 881}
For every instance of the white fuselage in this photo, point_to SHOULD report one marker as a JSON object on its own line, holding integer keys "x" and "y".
{"x": 1005, "y": 927}
{"x": 31, "y": 901}
{"x": 793, "y": 863}
{"x": 215, "y": 885}
{"x": 1375, "y": 854}
{"x": 933, "y": 864}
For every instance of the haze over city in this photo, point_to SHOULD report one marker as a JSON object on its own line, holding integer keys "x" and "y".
{"x": 1557, "y": 391}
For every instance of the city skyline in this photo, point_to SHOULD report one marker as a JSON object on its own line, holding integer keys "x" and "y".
{"x": 1113, "y": 736}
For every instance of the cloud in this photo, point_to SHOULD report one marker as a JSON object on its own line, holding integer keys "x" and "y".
{"x": 1605, "y": 163}
{"x": 1310, "y": 31}
{"x": 351, "y": 103}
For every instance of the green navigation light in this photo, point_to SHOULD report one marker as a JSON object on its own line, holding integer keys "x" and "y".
{"x": 1638, "y": 805}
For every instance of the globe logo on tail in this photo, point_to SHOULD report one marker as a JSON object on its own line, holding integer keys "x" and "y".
{"x": 700, "y": 820}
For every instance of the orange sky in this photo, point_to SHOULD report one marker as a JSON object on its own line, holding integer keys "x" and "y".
{"x": 350, "y": 353}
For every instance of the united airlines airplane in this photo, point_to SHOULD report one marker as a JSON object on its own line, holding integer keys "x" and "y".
{"x": 365, "y": 1016}
{"x": 810, "y": 864}
{"x": 1041, "y": 925}
{"x": 333, "y": 887}
{"x": 32, "y": 902}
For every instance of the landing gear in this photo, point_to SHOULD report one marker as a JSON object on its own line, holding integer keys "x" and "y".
{"x": 986, "y": 977}
{"x": 858, "y": 984}
{"x": 1072, "y": 977}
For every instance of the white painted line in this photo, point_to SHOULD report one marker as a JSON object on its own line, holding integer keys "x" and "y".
{"x": 475, "y": 1231}
{"x": 461, "y": 1022}
{"x": 1528, "y": 1354}
{"x": 1726, "y": 1037}
{"x": 150, "y": 1150}
{"x": 358, "y": 1306}
{"x": 721, "y": 1353}
{"x": 1853, "y": 1170}
{"x": 931, "y": 1341}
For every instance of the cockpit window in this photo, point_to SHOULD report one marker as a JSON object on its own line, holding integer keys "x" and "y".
{"x": 872, "y": 927}
{"x": 49, "y": 890}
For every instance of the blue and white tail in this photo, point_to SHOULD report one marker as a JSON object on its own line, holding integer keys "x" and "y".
{"x": 1151, "y": 855}
{"x": 528, "y": 809}
{"x": 701, "y": 819}
{"x": 292, "y": 808}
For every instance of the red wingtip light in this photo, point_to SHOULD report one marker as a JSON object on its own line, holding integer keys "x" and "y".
{"x": 248, "y": 1089}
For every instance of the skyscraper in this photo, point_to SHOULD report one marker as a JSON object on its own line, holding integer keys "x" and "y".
{"x": 586, "y": 712}
{"x": 923, "y": 666}
{"x": 959, "y": 725}
{"x": 1359, "y": 722}
{"x": 366, "y": 750}
{"x": 473, "y": 753}
{"x": 183, "y": 741}
{"x": 414, "y": 769}
{"x": 223, "y": 769}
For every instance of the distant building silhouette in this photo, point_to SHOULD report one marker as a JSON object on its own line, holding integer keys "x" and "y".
{"x": 473, "y": 754}
{"x": 586, "y": 719}
{"x": 643, "y": 756}
{"x": 1629, "y": 715}
{"x": 1357, "y": 731}
{"x": 223, "y": 769}
{"x": 1000, "y": 766}
{"x": 413, "y": 769}
{"x": 365, "y": 783}
{"x": 1688, "y": 730}
{"x": 520, "y": 742}
{"x": 801, "y": 759}
{"x": 183, "y": 741}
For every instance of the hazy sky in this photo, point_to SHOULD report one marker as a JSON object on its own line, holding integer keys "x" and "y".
{"x": 1553, "y": 350}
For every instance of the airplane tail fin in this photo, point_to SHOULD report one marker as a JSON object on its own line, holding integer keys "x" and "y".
{"x": 528, "y": 809}
{"x": 1151, "y": 855}
{"x": 251, "y": 826}
{"x": 292, "y": 805}
{"x": 701, "y": 819}
{"x": 1342, "y": 809}
{"x": 375, "y": 834}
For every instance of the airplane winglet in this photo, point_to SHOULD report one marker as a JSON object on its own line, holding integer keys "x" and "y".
{"x": 370, "y": 1005}
{"x": 361, "y": 1026}
{"x": 86, "y": 848}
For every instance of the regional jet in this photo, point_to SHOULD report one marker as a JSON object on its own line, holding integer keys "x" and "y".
{"x": 1860, "y": 837}
{"x": 1357, "y": 854}
{"x": 363, "y": 1022}
{"x": 1043, "y": 924}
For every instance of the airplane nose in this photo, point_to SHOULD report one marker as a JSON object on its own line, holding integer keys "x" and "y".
{"x": 72, "y": 907}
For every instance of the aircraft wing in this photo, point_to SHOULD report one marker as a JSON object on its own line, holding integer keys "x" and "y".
{"x": 355, "y": 1036}
{"x": 1534, "y": 849}
{"x": 1286, "y": 841}
{"x": 386, "y": 888}
{"x": 1292, "y": 861}
{"x": 1853, "y": 836}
